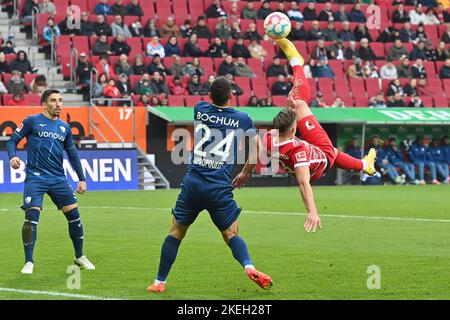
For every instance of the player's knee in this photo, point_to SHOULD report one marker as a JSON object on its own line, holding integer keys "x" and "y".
{"x": 32, "y": 215}
{"x": 178, "y": 231}
{"x": 229, "y": 233}
{"x": 70, "y": 207}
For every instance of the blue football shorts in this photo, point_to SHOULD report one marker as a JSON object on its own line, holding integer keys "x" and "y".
{"x": 61, "y": 193}
{"x": 198, "y": 194}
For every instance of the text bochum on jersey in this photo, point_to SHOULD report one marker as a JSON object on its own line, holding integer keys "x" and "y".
{"x": 217, "y": 136}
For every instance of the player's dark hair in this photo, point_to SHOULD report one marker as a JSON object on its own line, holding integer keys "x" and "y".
{"x": 220, "y": 91}
{"x": 284, "y": 120}
{"x": 47, "y": 94}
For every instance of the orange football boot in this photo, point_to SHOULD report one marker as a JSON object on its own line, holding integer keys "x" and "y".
{"x": 160, "y": 288}
{"x": 261, "y": 279}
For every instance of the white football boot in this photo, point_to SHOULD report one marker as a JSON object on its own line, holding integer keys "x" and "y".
{"x": 28, "y": 268}
{"x": 84, "y": 263}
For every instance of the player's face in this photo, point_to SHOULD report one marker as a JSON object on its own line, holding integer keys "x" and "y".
{"x": 54, "y": 104}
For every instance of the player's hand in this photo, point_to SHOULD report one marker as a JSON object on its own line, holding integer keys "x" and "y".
{"x": 81, "y": 188}
{"x": 15, "y": 162}
{"x": 312, "y": 222}
{"x": 240, "y": 179}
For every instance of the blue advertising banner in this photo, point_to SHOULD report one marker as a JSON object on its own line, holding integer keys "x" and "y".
{"x": 104, "y": 170}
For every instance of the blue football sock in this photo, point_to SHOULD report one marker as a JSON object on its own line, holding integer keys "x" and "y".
{"x": 169, "y": 252}
{"x": 75, "y": 231}
{"x": 240, "y": 251}
{"x": 29, "y": 233}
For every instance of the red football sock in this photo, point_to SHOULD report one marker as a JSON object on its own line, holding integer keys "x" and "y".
{"x": 344, "y": 161}
{"x": 300, "y": 84}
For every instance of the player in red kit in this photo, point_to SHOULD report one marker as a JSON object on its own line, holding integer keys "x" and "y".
{"x": 311, "y": 156}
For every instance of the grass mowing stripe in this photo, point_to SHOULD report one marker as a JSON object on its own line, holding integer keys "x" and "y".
{"x": 56, "y": 294}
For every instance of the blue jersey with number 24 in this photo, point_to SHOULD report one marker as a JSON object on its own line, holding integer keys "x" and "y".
{"x": 218, "y": 133}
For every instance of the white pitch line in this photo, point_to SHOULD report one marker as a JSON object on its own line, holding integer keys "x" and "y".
{"x": 293, "y": 214}
{"x": 56, "y": 294}
{"x": 275, "y": 213}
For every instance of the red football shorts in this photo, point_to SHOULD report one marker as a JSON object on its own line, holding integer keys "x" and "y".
{"x": 313, "y": 133}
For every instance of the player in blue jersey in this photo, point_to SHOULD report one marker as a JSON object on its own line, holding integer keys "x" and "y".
{"x": 47, "y": 139}
{"x": 207, "y": 184}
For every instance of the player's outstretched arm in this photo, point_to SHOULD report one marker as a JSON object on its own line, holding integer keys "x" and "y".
{"x": 312, "y": 219}
{"x": 255, "y": 150}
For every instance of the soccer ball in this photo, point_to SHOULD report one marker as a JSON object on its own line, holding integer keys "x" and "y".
{"x": 277, "y": 25}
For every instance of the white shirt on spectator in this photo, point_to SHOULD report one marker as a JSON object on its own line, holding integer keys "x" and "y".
{"x": 159, "y": 49}
{"x": 295, "y": 14}
{"x": 388, "y": 73}
{"x": 416, "y": 17}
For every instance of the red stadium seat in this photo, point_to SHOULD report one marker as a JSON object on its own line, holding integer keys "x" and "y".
{"x": 163, "y": 9}
{"x": 269, "y": 47}
{"x": 64, "y": 46}
{"x": 64, "y": 62}
{"x": 81, "y": 43}
{"x": 372, "y": 87}
{"x": 6, "y": 97}
{"x": 203, "y": 44}
{"x": 440, "y": 101}
{"x": 256, "y": 67}
{"x": 432, "y": 34}
{"x": 243, "y": 83}
{"x": 378, "y": 49}
{"x": 312, "y": 87}
{"x": 357, "y": 87}
{"x": 427, "y": 101}
{"x": 176, "y": 101}
{"x": 196, "y": 9}
{"x": 207, "y": 64}
{"x": 217, "y": 62}
{"x": 29, "y": 77}
{"x": 302, "y": 48}
{"x": 134, "y": 79}
{"x": 279, "y": 101}
{"x": 361, "y": 102}
{"x": 244, "y": 99}
{"x": 233, "y": 101}
{"x": 205, "y": 98}
{"x": 325, "y": 85}
{"x": 191, "y": 101}
{"x": 136, "y": 47}
{"x": 337, "y": 67}
{"x": 431, "y": 70}
{"x": 259, "y": 88}
{"x": 32, "y": 99}
{"x": 83, "y": 4}
{"x": 341, "y": 88}
{"x": 348, "y": 101}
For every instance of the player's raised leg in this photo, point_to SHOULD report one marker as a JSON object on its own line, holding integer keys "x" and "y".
{"x": 308, "y": 125}
{"x": 29, "y": 236}
{"x": 169, "y": 253}
{"x": 347, "y": 162}
{"x": 240, "y": 253}
{"x": 299, "y": 96}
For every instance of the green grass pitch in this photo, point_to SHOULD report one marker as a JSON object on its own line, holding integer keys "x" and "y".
{"x": 404, "y": 230}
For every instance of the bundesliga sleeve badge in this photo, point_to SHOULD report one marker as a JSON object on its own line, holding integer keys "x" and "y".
{"x": 19, "y": 127}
